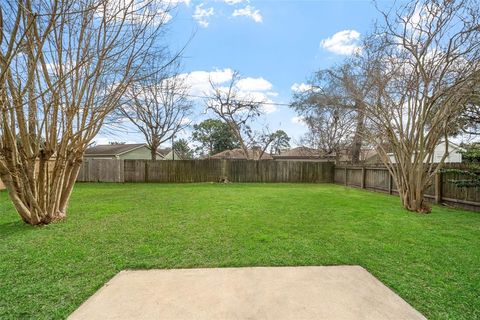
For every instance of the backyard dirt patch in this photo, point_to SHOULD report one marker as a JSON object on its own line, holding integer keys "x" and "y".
{"x": 334, "y": 292}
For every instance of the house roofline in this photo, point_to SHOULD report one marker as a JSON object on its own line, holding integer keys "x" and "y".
{"x": 133, "y": 149}
{"x": 120, "y": 153}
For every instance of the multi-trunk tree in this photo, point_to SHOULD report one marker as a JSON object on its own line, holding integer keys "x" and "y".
{"x": 423, "y": 62}
{"x": 414, "y": 82}
{"x": 64, "y": 65}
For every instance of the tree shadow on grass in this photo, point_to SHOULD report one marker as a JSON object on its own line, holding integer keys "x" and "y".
{"x": 13, "y": 224}
{"x": 12, "y": 228}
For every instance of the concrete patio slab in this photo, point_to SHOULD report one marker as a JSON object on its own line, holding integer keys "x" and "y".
{"x": 336, "y": 292}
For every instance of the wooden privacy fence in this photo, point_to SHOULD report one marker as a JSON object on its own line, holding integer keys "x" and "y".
{"x": 442, "y": 189}
{"x": 50, "y": 165}
{"x": 102, "y": 170}
{"x": 99, "y": 170}
{"x": 378, "y": 179}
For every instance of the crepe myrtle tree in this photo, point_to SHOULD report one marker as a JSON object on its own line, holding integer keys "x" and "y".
{"x": 423, "y": 61}
{"x": 64, "y": 65}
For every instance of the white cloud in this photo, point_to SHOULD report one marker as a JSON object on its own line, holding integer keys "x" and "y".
{"x": 298, "y": 120}
{"x": 343, "y": 42}
{"x": 258, "y": 89}
{"x": 301, "y": 87}
{"x": 186, "y": 121}
{"x": 254, "y": 84}
{"x": 175, "y": 2}
{"x": 249, "y": 12}
{"x": 272, "y": 94}
{"x": 199, "y": 81}
{"x": 422, "y": 15}
{"x": 232, "y": 2}
{"x": 269, "y": 108}
{"x": 268, "y": 105}
{"x": 201, "y": 15}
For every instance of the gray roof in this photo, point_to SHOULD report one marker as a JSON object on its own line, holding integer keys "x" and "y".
{"x": 112, "y": 149}
{"x": 238, "y": 154}
{"x": 163, "y": 151}
{"x": 300, "y": 153}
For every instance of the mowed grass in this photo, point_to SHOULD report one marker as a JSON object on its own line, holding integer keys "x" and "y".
{"x": 432, "y": 261}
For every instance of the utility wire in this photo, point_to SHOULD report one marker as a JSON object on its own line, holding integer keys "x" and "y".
{"x": 257, "y": 102}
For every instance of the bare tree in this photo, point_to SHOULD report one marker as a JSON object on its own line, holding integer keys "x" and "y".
{"x": 355, "y": 84}
{"x": 261, "y": 141}
{"x": 330, "y": 129}
{"x": 238, "y": 111}
{"x": 424, "y": 62}
{"x": 64, "y": 66}
{"x": 333, "y": 109}
{"x": 158, "y": 106}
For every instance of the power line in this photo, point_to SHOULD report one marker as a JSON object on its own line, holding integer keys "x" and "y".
{"x": 257, "y": 102}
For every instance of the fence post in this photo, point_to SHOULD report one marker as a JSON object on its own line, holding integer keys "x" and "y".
{"x": 346, "y": 175}
{"x": 363, "y": 177}
{"x": 90, "y": 171}
{"x": 121, "y": 171}
{"x": 224, "y": 170}
{"x": 146, "y": 171}
{"x": 390, "y": 183}
{"x": 438, "y": 187}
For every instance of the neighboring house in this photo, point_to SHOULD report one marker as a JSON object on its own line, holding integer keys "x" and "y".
{"x": 310, "y": 154}
{"x": 367, "y": 155}
{"x": 238, "y": 154}
{"x": 303, "y": 154}
{"x": 168, "y": 154}
{"x": 454, "y": 153}
{"x": 373, "y": 159}
{"x": 120, "y": 151}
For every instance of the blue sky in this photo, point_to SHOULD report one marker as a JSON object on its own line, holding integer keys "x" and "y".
{"x": 274, "y": 44}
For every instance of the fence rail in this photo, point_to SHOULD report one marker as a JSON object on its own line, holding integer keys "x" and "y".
{"x": 179, "y": 171}
{"x": 441, "y": 190}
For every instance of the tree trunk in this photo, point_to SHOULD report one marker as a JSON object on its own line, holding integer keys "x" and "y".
{"x": 153, "y": 150}
{"x": 412, "y": 181}
{"x": 40, "y": 195}
{"x": 359, "y": 131}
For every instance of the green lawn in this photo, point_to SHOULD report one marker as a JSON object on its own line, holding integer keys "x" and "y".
{"x": 432, "y": 261}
